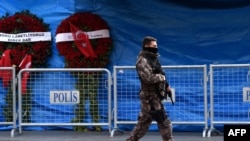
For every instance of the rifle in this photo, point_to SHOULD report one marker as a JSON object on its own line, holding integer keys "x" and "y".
{"x": 168, "y": 94}
{"x": 163, "y": 94}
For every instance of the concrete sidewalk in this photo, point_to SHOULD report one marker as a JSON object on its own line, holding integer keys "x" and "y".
{"x": 98, "y": 136}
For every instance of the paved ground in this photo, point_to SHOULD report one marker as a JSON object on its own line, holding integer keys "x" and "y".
{"x": 98, "y": 136}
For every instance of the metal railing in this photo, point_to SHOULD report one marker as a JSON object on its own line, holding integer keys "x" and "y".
{"x": 187, "y": 82}
{"x": 64, "y": 97}
{"x": 8, "y": 95}
{"x": 229, "y": 95}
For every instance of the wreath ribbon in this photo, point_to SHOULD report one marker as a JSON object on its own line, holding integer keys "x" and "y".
{"x": 25, "y": 37}
{"x": 26, "y": 63}
{"x": 66, "y": 37}
{"x": 5, "y": 61}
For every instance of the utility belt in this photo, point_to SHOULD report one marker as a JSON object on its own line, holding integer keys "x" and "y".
{"x": 148, "y": 89}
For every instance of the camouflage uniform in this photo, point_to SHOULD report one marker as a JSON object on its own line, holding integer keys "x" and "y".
{"x": 151, "y": 105}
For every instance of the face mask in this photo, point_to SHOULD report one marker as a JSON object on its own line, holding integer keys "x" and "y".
{"x": 150, "y": 49}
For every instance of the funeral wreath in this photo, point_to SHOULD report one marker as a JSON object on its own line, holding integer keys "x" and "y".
{"x": 26, "y": 38}
{"x": 84, "y": 41}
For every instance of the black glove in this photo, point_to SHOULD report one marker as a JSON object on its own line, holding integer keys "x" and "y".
{"x": 169, "y": 94}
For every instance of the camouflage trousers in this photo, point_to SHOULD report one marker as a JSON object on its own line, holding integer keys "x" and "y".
{"x": 145, "y": 119}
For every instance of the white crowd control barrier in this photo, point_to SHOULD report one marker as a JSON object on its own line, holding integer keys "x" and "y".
{"x": 8, "y": 98}
{"x": 229, "y": 95}
{"x": 189, "y": 86}
{"x": 70, "y": 98}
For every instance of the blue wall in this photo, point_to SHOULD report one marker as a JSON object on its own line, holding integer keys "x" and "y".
{"x": 186, "y": 35}
{"x": 192, "y": 33}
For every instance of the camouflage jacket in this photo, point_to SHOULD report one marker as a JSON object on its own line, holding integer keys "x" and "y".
{"x": 150, "y": 73}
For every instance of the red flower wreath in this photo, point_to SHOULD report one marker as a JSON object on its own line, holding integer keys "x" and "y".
{"x": 89, "y": 24}
{"x": 102, "y": 46}
{"x": 22, "y": 22}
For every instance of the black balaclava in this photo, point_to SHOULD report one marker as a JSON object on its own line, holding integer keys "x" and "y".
{"x": 150, "y": 49}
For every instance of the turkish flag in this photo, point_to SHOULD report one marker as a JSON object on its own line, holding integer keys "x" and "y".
{"x": 82, "y": 42}
{"x": 5, "y": 61}
{"x": 26, "y": 63}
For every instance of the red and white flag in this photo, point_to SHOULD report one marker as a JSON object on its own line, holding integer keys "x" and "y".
{"x": 5, "y": 61}
{"x": 26, "y": 63}
{"x": 82, "y": 42}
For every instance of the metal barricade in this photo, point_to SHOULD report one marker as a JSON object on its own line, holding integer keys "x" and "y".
{"x": 229, "y": 95}
{"x": 8, "y": 97}
{"x": 187, "y": 82}
{"x": 71, "y": 98}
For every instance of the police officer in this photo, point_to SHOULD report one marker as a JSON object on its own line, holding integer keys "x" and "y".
{"x": 152, "y": 79}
